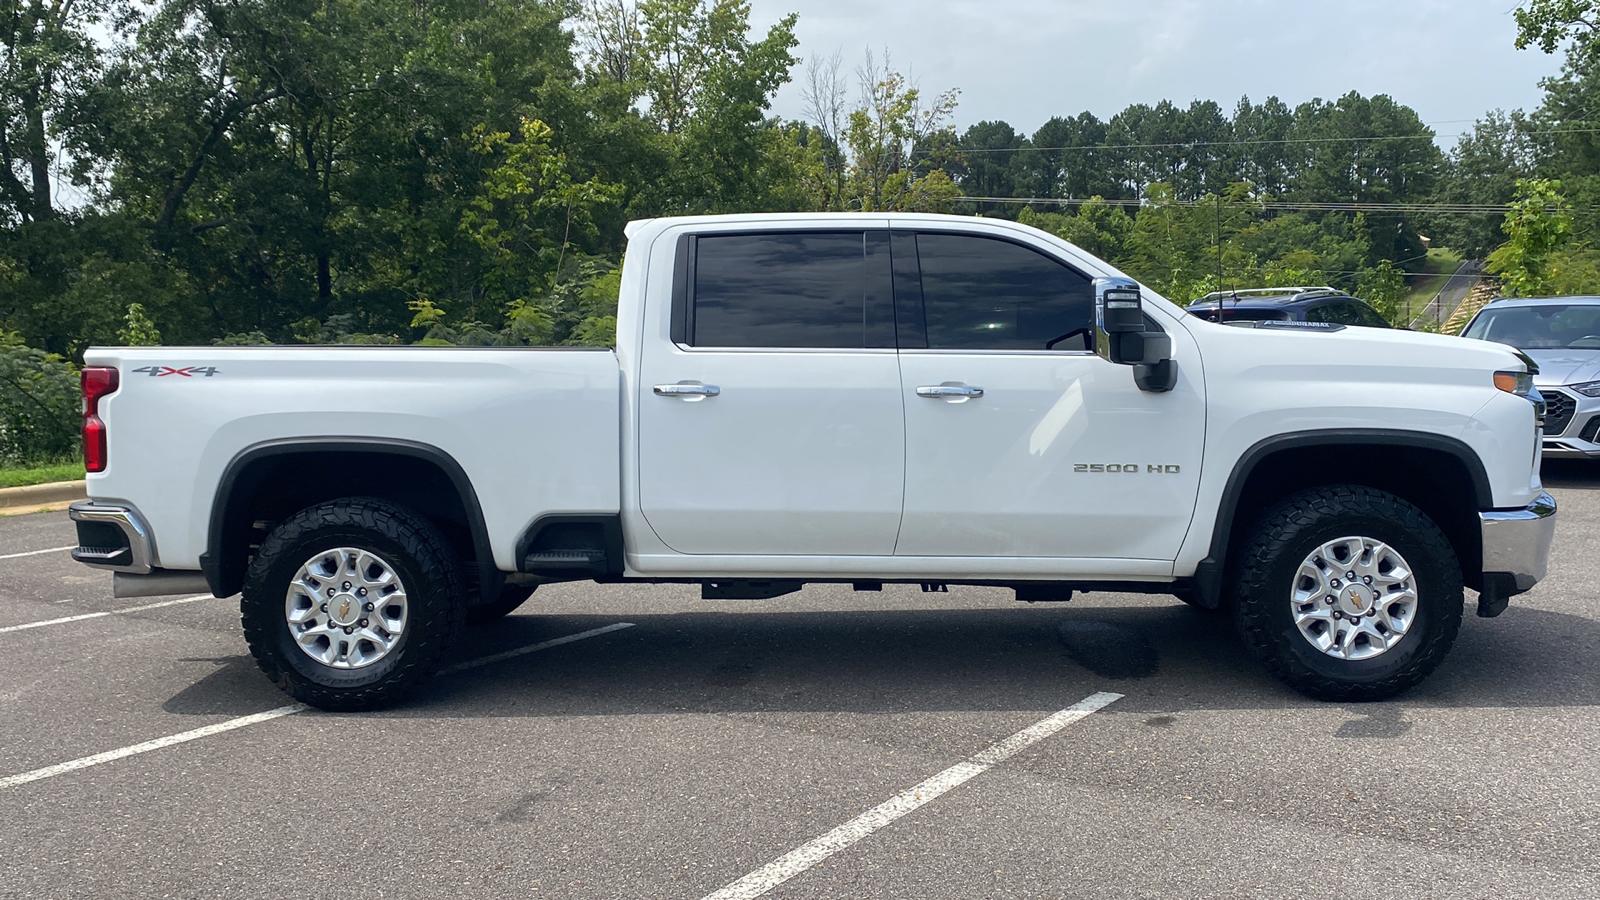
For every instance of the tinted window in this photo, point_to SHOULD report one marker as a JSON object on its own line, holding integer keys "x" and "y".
{"x": 1342, "y": 313}
{"x": 986, "y": 294}
{"x": 1371, "y": 317}
{"x": 779, "y": 290}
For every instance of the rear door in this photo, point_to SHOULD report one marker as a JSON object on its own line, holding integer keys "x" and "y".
{"x": 1020, "y": 440}
{"x": 772, "y": 423}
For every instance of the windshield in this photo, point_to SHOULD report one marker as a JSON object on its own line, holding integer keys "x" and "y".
{"x": 1546, "y": 327}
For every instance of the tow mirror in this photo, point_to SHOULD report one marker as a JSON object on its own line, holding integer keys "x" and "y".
{"x": 1121, "y": 337}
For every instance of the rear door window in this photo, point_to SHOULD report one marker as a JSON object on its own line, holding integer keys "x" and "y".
{"x": 786, "y": 289}
{"x": 981, "y": 293}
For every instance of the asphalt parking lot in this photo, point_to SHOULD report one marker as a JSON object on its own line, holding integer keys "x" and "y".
{"x": 707, "y": 741}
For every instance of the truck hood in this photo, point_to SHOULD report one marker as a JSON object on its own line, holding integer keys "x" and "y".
{"x": 1379, "y": 354}
{"x": 1559, "y": 367}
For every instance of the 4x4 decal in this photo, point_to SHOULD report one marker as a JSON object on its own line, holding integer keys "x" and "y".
{"x": 186, "y": 371}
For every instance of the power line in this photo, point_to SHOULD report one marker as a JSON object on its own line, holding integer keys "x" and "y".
{"x": 1282, "y": 205}
{"x": 1255, "y": 142}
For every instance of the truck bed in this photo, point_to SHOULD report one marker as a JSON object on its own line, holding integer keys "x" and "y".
{"x": 534, "y": 429}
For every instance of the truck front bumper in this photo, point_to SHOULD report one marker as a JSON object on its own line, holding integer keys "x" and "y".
{"x": 1516, "y": 551}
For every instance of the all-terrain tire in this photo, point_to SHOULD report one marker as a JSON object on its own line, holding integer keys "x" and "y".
{"x": 1295, "y": 528}
{"x": 419, "y": 555}
{"x": 504, "y": 604}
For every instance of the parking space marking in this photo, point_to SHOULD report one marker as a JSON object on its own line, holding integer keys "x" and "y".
{"x": 809, "y": 854}
{"x": 98, "y": 615}
{"x": 37, "y": 552}
{"x": 171, "y": 739}
{"x": 231, "y": 724}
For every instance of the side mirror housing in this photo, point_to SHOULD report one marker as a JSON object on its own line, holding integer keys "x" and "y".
{"x": 1118, "y": 313}
{"x": 1121, "y": 338}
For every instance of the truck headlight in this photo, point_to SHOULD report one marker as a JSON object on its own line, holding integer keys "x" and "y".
{"x": 1519, "y": 383}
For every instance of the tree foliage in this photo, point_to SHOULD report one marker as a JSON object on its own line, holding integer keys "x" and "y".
{"x": 395, "y": 171}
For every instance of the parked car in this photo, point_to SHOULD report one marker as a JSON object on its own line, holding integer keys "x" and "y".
{"x": 1561, "y": 335}
{"x": 1287, "y": 304}
{"x": 854, "y": 399}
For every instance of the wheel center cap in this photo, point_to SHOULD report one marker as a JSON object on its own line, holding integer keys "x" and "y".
{"x": 344, "y": 609}
{"x": 1356, "y": 599}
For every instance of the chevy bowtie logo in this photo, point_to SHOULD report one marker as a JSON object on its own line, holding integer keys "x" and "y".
{"x": 344, "y": 609}
{"x": 1355, "y": 600}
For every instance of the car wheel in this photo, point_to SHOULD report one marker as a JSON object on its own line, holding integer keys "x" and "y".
{"x": 1349, "y": 593}
{"x": 350, "y": 604}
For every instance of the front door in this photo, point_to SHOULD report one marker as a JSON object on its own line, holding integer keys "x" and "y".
{"x": 773, "y": 424}
{"x": 1020, "y": 441}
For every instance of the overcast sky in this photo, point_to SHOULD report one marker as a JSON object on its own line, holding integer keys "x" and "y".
{"x": 1024, "y": 61}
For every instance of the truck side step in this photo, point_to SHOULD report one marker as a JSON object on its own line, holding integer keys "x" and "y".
{"x": 564, "y": 561}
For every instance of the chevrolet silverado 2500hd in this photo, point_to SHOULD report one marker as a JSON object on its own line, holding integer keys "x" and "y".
{"x": 831, "y": 398}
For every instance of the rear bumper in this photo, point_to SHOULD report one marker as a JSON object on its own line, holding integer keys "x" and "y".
{"x": 1516, "y": 551}
{"x": 112, "y": 537}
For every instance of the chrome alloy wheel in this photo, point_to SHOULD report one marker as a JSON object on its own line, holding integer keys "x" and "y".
{"x": 346, "y": 608}
{"x": 1354, "y": 598}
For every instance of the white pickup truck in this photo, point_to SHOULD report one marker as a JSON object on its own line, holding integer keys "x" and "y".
{"x": 860, "y": 399}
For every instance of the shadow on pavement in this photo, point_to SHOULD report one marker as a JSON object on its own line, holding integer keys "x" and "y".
{"x": 1164, "y": 658}
{"x": 1579, "y": 474}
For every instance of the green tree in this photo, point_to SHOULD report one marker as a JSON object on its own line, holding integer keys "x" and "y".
{"x": 884, "y": 136}
{"x": 1538, "y": 223}
{"x": 139, "y": 330}
{"x": 39, "y": 403}
{"x": 1548, "y": 24}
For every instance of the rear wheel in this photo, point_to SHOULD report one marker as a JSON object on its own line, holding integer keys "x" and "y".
{"x": 350, "y": 604}
{"x": 1349, "y": 593}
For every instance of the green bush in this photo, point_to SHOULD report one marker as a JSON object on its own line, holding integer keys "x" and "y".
{"x": 40, "y": 405}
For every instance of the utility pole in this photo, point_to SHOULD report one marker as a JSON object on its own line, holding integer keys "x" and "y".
{"x": 1219, "y": 242}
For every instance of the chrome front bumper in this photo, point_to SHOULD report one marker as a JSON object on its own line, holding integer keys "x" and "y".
{"x": 1516, "y": 551}
{"x": 112, "y": 537}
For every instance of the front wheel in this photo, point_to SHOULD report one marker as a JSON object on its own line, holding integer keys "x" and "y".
{"x": 1349, "y": 593}
{"x": 350, "y": 604}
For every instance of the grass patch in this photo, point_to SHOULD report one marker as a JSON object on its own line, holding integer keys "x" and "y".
{"x": 1437, "y": 268}
{"x": 68, "y": 471}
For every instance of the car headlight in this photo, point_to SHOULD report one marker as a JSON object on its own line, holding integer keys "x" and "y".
{"x": 1588, "y": 389}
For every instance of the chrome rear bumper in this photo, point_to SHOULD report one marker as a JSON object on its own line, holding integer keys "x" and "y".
{"x": 112, "y": 537}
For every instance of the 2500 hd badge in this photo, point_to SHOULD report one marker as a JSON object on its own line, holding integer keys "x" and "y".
{"x": 1124, "y": 469}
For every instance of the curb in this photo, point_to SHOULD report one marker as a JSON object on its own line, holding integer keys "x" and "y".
{"x": 36, "y": 495}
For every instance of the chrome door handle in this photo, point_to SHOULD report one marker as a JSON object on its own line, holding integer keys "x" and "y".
{"x": 945, "y": 391}
{"x": 687, "y": 390}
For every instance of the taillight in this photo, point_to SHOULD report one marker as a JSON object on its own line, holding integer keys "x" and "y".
{"x": 98, "y": 381}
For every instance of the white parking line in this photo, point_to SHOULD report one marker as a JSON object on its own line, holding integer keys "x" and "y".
{"x": 231, "y": 724}
{"x": 37, "y": 552}
{"x": 807, "y": 855}
{"x": 171, "y": 739}
{"x": 97, "y": 615}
